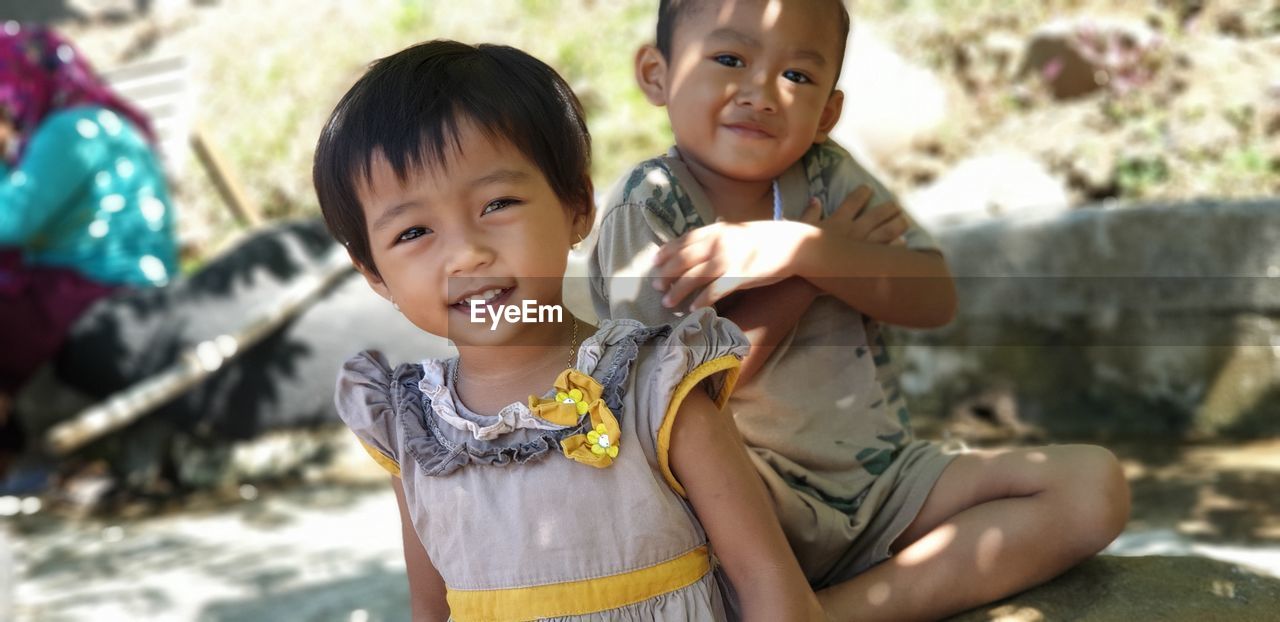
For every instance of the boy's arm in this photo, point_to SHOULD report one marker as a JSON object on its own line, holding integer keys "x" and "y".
{"x": 620, "y": 268}
{"x": 426, "y": 587}
{"x": 854, "y": 254}
{"x": 709, "y": 459}
{"x": 893, "y": 284}
{"x": 906, "y": 284}
{"x": 766, "y": 315}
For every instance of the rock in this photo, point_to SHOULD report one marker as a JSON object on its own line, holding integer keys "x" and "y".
{"x": 1077, "y": 57}
{"x": 1118, "y": 323}
{"x": 284, "y": 382}
{"x": 1142, "y": 588}
{"x": 889, "y": 102}
{"x": 1002, "y": 184}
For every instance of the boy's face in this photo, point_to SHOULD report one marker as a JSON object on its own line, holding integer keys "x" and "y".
{"x": 749, "y": 84}
{"x": 485, "y": 221}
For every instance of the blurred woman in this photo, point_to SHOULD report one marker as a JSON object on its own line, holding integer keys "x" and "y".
{"x": 83, "y": 205}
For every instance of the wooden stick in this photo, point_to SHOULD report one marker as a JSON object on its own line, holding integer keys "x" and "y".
{"x": 196, "y": 363}
{"x": 228, "y": 188}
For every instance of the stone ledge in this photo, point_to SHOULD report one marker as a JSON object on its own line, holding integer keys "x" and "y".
{"x": 1136, "y": 589}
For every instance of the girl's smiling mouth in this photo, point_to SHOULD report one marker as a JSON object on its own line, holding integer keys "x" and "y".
{"x": 488, "y": 297}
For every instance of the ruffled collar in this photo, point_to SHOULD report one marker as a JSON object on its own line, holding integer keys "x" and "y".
{"x": 436, "y": 386}
{"x": 449, "y": 409}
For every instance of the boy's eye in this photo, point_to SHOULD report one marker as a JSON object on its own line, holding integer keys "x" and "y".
{"x": 796, "y": 76}
{"x": 497, "y": 204}
{"x": 729, "y": 60}
{"x": 412, "y": 233}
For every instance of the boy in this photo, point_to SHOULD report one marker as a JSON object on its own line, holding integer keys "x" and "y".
{"x": 750, "y": 90}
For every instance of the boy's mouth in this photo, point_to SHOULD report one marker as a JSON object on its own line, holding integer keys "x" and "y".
{"x": 489, "y": 296}
{"x": 747, "y": 129}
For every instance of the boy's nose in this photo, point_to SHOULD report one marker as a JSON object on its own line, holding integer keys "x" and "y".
{"x": 758, "y": 95}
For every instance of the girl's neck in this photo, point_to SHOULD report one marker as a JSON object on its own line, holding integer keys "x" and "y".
{"x": 733, "y": 200}
{"x": 491, "y": 377}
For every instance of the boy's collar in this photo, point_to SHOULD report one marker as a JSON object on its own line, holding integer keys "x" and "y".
{"x": 793, "y": 185}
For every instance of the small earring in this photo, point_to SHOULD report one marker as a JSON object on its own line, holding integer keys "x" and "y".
{"x": 393, "y": 303}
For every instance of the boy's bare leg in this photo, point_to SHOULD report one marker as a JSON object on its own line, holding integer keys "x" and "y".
{"x": 995, "y": 523}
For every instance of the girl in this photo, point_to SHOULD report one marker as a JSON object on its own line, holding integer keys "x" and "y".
{"x": 535, "y": 479}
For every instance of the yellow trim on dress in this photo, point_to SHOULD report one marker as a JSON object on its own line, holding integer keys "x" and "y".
{"x": 391, "y": 466}
{"x": 573, "y": 598}
{"x": 729, "y": 364}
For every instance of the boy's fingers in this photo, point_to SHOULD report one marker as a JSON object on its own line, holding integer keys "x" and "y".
{"x": 888, "y": 231}
{"x": 853, "y": 203}
{"x": 670, "y": 248}
{"x": 715, "y": 291}
{"x": 688, "y": 283}
{"x": 880, "y": 214}
{"x": 874, "y": 218}
{"x": 812, "y": 214}
{"x": 678, "y": 263}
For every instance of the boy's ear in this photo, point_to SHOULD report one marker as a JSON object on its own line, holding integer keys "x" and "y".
{"x": 651, "y": 74}
{"x": 370, "y": 277}
{"x": 830, "y": 115}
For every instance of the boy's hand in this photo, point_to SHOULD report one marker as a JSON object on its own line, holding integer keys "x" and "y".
{"x": 883, "y": 224}
{"x": 722, "y": 258}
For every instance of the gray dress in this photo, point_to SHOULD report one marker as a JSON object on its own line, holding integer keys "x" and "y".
{"x": 520, "y": 531}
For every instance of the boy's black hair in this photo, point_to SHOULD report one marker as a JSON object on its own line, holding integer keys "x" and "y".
{"x": 410, "y": 106}
{"x": 670, "y": 12}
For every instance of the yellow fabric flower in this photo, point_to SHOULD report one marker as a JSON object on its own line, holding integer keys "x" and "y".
{"x": 575, "y": 392}
{"x": 578, "y": 394}
{"x": 601, "y": 443}
{"x": 575, "y": 397}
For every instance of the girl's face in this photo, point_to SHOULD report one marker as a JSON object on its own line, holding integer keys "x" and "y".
{"x": 485, "y": 224}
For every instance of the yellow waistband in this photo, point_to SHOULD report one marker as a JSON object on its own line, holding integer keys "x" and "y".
{"x": 579, "y": 597}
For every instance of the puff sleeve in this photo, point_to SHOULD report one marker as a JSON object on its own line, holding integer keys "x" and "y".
{"x": 704, "y": 352}
{"x": 364, "y": 403}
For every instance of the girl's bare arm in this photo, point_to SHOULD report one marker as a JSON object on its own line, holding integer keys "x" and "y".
{"x": 426, "y": 587}
{"x": 710, "y": 461}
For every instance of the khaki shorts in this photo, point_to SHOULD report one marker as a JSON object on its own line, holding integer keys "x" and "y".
{"x": 834, "y": 546}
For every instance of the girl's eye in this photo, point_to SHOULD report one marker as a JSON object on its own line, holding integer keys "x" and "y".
{"x": 729, "y": 60}
{"x": 412, "y": 233}
{"x": 497, "y": 204}
{"x": 796, "y": 76}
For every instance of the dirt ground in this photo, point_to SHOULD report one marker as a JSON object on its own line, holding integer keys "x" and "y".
{"x": 326, "y": 551}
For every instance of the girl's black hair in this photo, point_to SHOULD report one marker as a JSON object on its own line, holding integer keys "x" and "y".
{"x": 410, "y": 107}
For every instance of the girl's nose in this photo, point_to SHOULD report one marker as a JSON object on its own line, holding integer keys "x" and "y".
{"x": 470, "y": 253}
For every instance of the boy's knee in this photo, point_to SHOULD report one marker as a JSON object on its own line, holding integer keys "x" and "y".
{"x": 1100, "y": 495}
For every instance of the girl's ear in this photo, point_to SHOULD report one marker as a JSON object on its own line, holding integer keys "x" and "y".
{"x": 375, "y": 282}
{"x": 582, "y": 225}
{"x": 651, "y": 74}
{"x": 830, "y": 115}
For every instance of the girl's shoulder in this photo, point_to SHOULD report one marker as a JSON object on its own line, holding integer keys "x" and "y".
{"x": 667, "y": 352}
{"x": 661, "y": 364}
